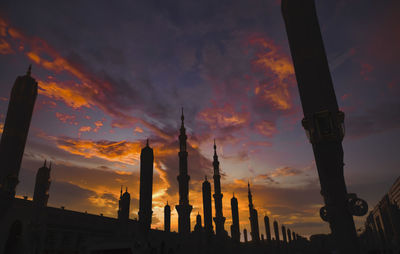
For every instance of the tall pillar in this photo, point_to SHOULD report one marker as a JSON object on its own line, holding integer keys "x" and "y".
{"x": 42, "y": 186}
{"x": 284, "y": 234}
{"x": 289, "y": 235}
{"x": 167, "y": 218}
{"x": 219, "y": 219}
{"x": 235, "y": 230}
{"x": 146, "y": 186}
{"x": 255, "y": 233}
{"x": 323, "y": 121}
{"x": 267, "y": 228}
{"x": 124, "y": 205}
{"x": 276, "y": 230}
{"x": 184, "y": 208}
{"x": 207, "y": 208}
{"x": 15, "y": 132}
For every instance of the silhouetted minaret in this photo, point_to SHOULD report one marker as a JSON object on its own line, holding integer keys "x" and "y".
{"x": 198, "y": 227}
{"x": 207, "y": 210}
{"x": 255, "y": 233}
{"x": 235, "y": 230}
{"x": 289, "y": 235}
{"x": 276, "y": 230}
{"x": 284, "y": 234}
{"x": 219, "y": 219}
{"x": 15, "y": 132}
{"x": 146, "y": 186}
{"x": 294, "y": 236}
{"x": 167, "y": 218}
{"x": 267, "y": 228}
{"x": 42, "y": 186}
{"x": 124, "y": 206}
{"x": 245, "y": 235}
{"x": 184, "y": 208}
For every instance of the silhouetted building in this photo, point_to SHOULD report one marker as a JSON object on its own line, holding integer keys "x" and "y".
{"x": 276, "y": 231}
{"x": 267, "y": 228}
{"x": 394, "y": 192}
{"x": 294, "y": 235}
{"x": 284, "y": 234}
{"x": 42, "y": 186}
{"x": 184, "y": 208}
{"x": 207, "y": 208}
{"x": 15, "y": 132}
{"x": 198, "y": 227}
{"x": 255, "y": 233}
{"x": 167, "y": 218}
{"x": 235, "y": 230}
{"x": 382, "y": 226}
{"x": 245, "y": 235}
{"x": 219, "y": 219}
{"x": 124, "y": 205}
{"x": 146, "y": 186}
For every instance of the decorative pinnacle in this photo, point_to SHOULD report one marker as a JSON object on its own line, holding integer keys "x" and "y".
{"x": 121, "y": 192}
{"x": 234, "y": 194}
{"x": 182, "y": 116}
{"x": 205, "y": 177}
{"x": 215, "y": 147}
{"x": 147, "y": 142}
{"x": 126, "y": 189}
{"x": 45, "y": 161}
{"x": 28, "y": 73}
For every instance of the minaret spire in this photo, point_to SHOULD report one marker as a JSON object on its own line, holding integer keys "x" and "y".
{"x": 255, "y": 234}
{"x": 219, "y": 219}
{"x": 184, "y": 208}
{"x": 28, "y": 72}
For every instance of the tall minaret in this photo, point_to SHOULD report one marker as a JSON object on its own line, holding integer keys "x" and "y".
{"x": 276, "y": 230}
{"x": 207, "y": 208}
{"x": 219, "y": 219}
{"x": 167, "y": 218}
{"x": 284, "y": 234}
{"x": 15, "y": 132}
{"x": 235, "y": 230}
{"x": 42, "y": 186}
{"x": 184, "y": 208}
{"x": 255, "y": 233}
{"x": 289, "y": 234}
{"x": 267, "y": 228}
{"x": 146, "y": 186}
{"x": 124, "y": 205}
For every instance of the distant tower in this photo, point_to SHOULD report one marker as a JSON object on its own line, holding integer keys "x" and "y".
{"x": 235, "y": 230}
{"x": 255, "y": 233}
{"x": 289, "y": 235}
{"x": 267, "y": 228}
{"x": 294, "y": 236}
{"x": 184, "y": 208}
{"x": 207, "y": 210}
{"x": 124, "y": 206}
{"x": 219, "y": 219}
{"x": 167, "y": 218}
{"x": 245, "y": 235}
{"x": 16, "y": 127}
{"x": 276, "y": 230}
{"x": 146, "y": 186}
{"x": 42, "y": 186}
{"x": 198, "y": 227}
{"x": 284, "y": 234}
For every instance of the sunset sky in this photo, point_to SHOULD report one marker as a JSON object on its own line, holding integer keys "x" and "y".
{"x": 113, "y": 73}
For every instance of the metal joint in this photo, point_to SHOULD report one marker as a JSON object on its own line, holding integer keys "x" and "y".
{"x": 324, "y": 126}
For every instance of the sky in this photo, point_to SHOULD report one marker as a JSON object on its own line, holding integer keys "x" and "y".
{"x": 113, "y": 73}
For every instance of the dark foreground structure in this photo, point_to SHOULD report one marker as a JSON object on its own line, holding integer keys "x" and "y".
{"x": 323, "y": 122}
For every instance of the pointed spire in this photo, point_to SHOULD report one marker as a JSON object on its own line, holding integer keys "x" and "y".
{"x": 205, "y": 177}
{"x": 182, "y": 116}
{"x": 233, "y": 194}
{"x": 147, "y": 142}
{"x": 126, "y": 189}
{"x": 121, "y": 192}
{"x": 215, "y": 148}
{"x": 167, "y": 202}
{"x": 28, "y": 73}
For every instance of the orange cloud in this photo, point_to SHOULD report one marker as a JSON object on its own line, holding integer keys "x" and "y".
{"x": 279, "y": 70}
{"x": 138, "y": 129}
{"x": 85, "y": 129}
{"x": 65, "y": 118}
{"x": 5, "y": 47}
{"x": 266, "y": 128}
{"x": 98, "y": 125}
{"x": 225, "y": 116}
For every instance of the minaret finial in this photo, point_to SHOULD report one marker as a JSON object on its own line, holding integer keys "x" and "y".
{"x": 182, "y": 116}
{"x": 215, "y": 146}
{"x": 147, "y": 142}
{"x": 126, "y": 189}
{"x": 121, "y": 192}
{"x": 233, "y": 194}
{"x": 45, "y": 162}
{"x": 28, "y": 73}
{"x": 167, "y": 202}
